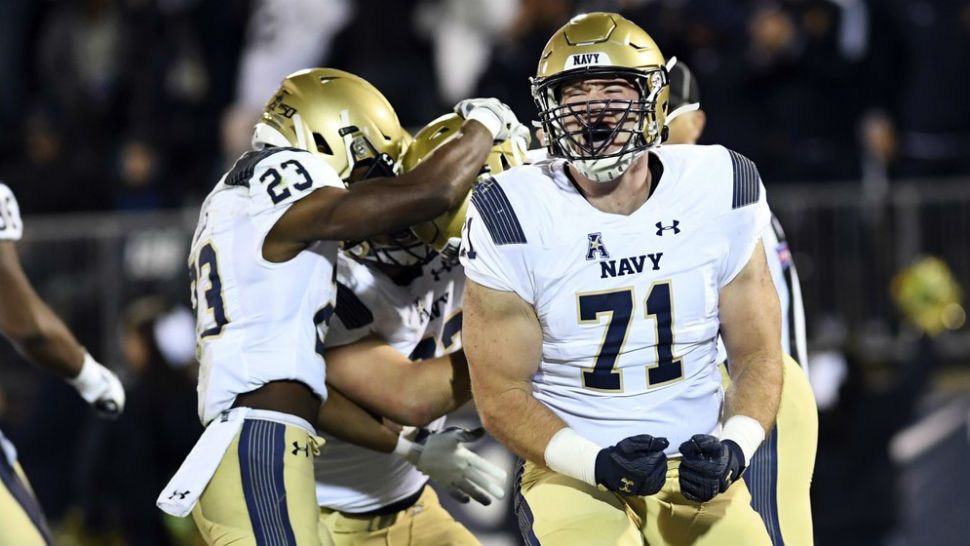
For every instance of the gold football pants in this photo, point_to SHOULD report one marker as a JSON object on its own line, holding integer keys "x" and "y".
{"x": 262, "y": 493}
{"x": 22, "y": 522}
{"x": 556, "y": 510}
{"x": 780, "y": 473}
{"x": 426, "y": 523}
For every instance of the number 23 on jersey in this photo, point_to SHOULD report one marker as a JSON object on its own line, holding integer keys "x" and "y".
{"x": 206, "y": 286}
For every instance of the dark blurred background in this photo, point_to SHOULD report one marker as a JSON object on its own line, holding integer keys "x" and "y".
{"x": 118, "y": 116}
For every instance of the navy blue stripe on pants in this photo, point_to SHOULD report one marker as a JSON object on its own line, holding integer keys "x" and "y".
{"x": 262, "y": 446}
{"x": 18, "y": 489}
{"x": 761, "y": 478}
{"x": 522, "y": 511}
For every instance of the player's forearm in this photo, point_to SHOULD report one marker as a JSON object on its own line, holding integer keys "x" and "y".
{"x": 342, "y": 418}
{"x": 33, "y": 327}
{"x": 515, "y": 418}
{"x": 755, "y": 391}
{"x": 409, "y": 393}
{"x": 54, "y": 348}
{"x": 441, "y": 387}
{"x": 438, "y": 184}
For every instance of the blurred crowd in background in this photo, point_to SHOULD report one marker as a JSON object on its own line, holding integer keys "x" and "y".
{"x": 140, "y": 105}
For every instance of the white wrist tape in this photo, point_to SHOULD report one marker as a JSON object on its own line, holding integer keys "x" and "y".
{"x": 570, "y": 454}
{"x": 746, "y": 432}
{"x": 404, "y": 448}
{"x": 89, "y": 377}
{"x": 488, "y": 118}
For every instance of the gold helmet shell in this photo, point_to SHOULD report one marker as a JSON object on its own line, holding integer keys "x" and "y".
{"x": 443, "y": 232}
{"x": 602, "y": 46}
{"x": 929, "y": 296}
{"x": 337, "y": 116}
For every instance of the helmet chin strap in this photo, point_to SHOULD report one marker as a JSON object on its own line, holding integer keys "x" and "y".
{"x": 606, "y": 169}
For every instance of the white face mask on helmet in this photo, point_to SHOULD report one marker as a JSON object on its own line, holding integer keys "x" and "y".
{"x": 579, "y": 133}
{"x": 601, "y": 46}
{"x": 403, "y": 250}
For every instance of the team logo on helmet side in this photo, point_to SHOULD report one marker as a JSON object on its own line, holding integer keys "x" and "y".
{"x": 338, "y": 117}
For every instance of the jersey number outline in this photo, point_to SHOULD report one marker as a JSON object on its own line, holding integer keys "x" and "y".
{"x": 206, "y": 267}
{"x": 273, "y": 179}
{"x": 427, "y": 347}
{"x": 619, "y": 305}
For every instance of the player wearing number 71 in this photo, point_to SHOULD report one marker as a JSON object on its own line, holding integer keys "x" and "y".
{"x": 598, "y": 281}
{"x": 323, "y": 170}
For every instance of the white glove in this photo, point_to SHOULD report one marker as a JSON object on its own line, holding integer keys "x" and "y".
{"x": 497, "y": 117}
{"x": 442, "y": 457}
{"x": 100, "y": 387}
{"x": 521, "y": 137}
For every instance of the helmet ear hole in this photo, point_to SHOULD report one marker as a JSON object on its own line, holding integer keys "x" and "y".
{"x": 321, "y": 144}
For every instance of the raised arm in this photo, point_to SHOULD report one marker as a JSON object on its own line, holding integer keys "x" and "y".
{"x": 385, "y": 205}
{"x": 46, "y": 341}
{"x": 409, "y": 393}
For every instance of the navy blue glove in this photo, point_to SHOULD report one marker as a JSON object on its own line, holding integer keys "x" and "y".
{"x": 635, "y": 466}
{"x": 709, "y": 466}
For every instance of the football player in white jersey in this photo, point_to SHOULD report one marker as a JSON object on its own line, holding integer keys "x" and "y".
{"x": 46, "y": 341}
{"x": 598, "y": 282}
{"x": 262, "y": 267}
{"x": 780, "y": 473}
{"x": 410, "y": 368}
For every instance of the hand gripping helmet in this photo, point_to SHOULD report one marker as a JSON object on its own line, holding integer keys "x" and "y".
{"x": 601, "y": 46}
{"x": 444, "y": 232}
{"x": 337, "y": 116}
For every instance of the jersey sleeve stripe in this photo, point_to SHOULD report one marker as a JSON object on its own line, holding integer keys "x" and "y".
{"x": 243, "y": 169}
{"x": 353, "y": 312}
{"x": 747, "y": 189}
{"x": 497, "y": 213}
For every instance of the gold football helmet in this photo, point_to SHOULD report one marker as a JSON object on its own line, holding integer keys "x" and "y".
{"x": 444, "y": 232}
{"x": 929, "y": 296}
{"x": 337, "y": 116}
{"x": 601, "y": 46}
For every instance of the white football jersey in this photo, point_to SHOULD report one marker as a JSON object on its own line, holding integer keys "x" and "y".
{"x": 421, "y": 319}
{"x": 255, "y": 320}
{"x": 628, "y": 304}
{"x": 11, "y": 227}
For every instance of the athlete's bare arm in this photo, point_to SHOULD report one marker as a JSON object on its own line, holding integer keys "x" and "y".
{"x": 34, "y": 329}
{"x": 751, "y": 328}
{"x": 341, "y": 417}
{"x": 384, "y": 205}
{"x": 503, "y": 341}
{"x": 409, "y": 393}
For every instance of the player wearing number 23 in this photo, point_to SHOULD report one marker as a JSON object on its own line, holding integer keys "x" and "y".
{"x": 262, "y": 270}
{"x": 598, "y": 281}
